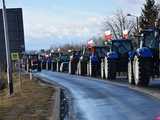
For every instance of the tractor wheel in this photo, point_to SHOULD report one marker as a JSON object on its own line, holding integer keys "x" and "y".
{"x": 79, "y": 68}
{"x": 92, "y": 69}
{"x": 130, "y": 73}
{"x": 141, "y": 71}
{"x": 70, "y": 68}
{"x": 58, "y": 66}
{"x": 83, "y": 68}
{"x": 88, "y": 71}
{"x": 102, "y": 69}
{"x": 110, "y": 69}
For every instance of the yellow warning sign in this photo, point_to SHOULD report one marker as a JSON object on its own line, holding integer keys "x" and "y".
{"x": 15, "y": 56}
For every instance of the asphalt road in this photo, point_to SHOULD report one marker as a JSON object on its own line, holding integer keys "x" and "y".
{"x": 94, "y": 99}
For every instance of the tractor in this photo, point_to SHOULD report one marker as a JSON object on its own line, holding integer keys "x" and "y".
{"x": 94, "y": 64}
{"x": 62, "y": 62}
{"x": 144, "y": 63}
{"x": 82, "y": 63}
{"x": 54, "y": 56}
{"x": 43, "y": 61}
{"x": 33, "y": 62}
{"x": 49, "y": 63}
{"x": 90, "y": 62}
{"x": 116, "y": 59}
{"x": 74, "y": 59}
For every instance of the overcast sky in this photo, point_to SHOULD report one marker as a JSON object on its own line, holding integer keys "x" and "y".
{"x": 56, "y": 22}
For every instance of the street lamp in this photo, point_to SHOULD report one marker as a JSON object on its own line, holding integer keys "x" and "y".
{"x": 137, "y": 19}
{"x": 8, "y": 54}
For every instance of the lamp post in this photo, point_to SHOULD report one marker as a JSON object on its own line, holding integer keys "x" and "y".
{"x": 8, "y": 54}
{"x": 137, "y": 19}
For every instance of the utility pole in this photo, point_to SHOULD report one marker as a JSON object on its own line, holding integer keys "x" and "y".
{"x": 8, "y": 54}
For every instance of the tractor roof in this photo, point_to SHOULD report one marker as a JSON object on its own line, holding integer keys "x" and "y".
{"x": 121, "y": 40}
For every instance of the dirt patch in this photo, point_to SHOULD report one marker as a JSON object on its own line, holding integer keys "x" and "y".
{"x": 32, "y": 101}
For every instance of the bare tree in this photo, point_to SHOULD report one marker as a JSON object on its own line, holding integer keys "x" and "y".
{"x": 118, "y": 23}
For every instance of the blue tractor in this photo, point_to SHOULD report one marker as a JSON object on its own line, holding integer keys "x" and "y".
{"x": 94, "y": 62}
{"x": 116, "y": 59}
{"x": 144, "y": 63}
{"x": 90, "y": 60}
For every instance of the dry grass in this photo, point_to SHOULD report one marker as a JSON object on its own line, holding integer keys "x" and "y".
{"x": 31, "y": 102}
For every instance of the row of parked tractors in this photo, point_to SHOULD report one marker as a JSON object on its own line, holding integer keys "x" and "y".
{"x": 117, "y": 56}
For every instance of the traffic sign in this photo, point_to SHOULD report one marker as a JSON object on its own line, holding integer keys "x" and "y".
{"x": 15, "y": 56}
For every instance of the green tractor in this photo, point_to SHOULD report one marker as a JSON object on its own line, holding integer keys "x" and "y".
{"x": 62, "y": 62}
{"x": 54, "y": 56}
{"x": 144, "y": 63}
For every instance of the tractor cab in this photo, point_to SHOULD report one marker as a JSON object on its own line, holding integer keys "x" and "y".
{"x": 61, "y": 60}
{"x": 122, "y": 47}
{"x": 150, "y": 38}
{"x": 54, "y": 56}
{"x": 33, "y": 62}
{"x": 101, "y": 51}
{"x": 116, "y": 59}
{"x": 146, "y": 60}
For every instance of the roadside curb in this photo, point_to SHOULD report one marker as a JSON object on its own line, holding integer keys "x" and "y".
{"x": 63, "y": 109}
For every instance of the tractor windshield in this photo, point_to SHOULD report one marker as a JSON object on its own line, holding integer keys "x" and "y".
{"x": 149, "y": 40}
{"x": 65, "y": 57}
{"x": 121, "y": 46}
{"x": 102, "y": 51}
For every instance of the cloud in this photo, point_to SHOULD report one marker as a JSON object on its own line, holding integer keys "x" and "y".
{"x": 69, "y": 25}
{"x": 45, "y": 26}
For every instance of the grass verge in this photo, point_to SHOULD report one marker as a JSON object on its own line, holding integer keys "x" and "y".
{"x": 31, "y": 101}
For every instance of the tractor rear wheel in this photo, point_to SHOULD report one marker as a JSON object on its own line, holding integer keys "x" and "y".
{"x": 79, "y": 68}
{"x": 141, "y": 71}
{"x": 102, "y": 69}
{"x": 71, "y": 68}
{"x": 130, "y": 73}
{"x": 110, "y": 69}
{"x": 92, "y": 69}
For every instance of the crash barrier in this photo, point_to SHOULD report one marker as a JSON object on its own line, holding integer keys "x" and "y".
{"x": 64, "y": 106}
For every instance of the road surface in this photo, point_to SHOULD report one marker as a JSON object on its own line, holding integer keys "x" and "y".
{"x": 94, "y": 99}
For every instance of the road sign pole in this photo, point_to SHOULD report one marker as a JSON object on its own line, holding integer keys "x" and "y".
{"x": 8, "y": 54}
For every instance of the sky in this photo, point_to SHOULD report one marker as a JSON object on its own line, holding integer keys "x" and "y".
{"x": 56, "y": 22}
